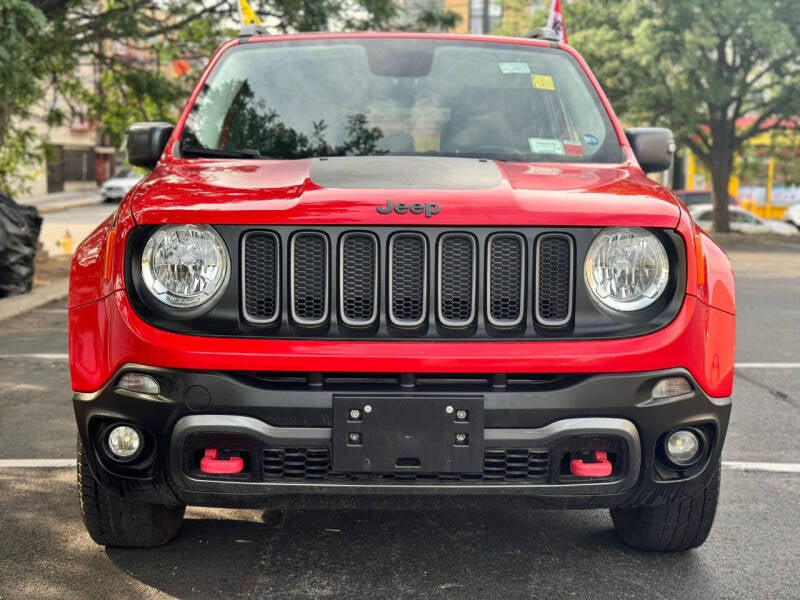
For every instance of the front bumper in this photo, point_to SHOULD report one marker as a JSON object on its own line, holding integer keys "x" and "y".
{"x": 261, "y": 416}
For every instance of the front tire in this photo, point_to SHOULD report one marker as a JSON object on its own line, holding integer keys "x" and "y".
{"x": 112, "y": 520}
{"x": 672, "y": 527}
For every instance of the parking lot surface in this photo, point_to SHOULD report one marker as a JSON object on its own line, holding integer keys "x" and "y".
{"x": 506, "y": 552}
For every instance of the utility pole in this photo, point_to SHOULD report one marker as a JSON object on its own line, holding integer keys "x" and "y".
{"x": 485, "y": 17}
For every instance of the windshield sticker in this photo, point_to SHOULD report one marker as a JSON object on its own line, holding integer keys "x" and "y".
{"x": 514, "y": 67}
{"x": 543, "y": 82}
{"x": 590, "y": 139}
{"x": 546, "y": 146}
{"x": 573, "y": 148}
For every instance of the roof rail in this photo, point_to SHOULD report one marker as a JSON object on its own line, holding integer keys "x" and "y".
{"x": 252, "y": 29}
{"x": 543, "y": 33}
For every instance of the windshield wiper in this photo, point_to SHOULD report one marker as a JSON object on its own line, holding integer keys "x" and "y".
{"x": 200, "y": 152}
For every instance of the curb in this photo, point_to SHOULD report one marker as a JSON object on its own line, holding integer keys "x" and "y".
{"x": 51, "y": 208}
{"x": 14, "y": 306}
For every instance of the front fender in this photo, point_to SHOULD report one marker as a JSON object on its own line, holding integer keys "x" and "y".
{"x": 716, "y": 281}
{"x": 98, "y": 266}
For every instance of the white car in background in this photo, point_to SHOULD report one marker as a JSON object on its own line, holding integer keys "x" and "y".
{"x": 792, "y": 215}
{"x": 115, "y": 188}
{"x": 741, "y": 220}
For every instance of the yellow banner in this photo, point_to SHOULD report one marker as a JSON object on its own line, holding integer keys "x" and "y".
{"x": 248, "y": 14}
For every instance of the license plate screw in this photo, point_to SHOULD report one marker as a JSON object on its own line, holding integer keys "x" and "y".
{"x": 367, "y": 408}
{"x": 355, "y": 414}
{"x": 461, "y": 438}
{"x": 448, "y": 409}
{"x": 354, "y": 437}
{"x": 461, "y": 415}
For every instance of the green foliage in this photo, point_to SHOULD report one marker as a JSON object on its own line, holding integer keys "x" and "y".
{"x": 697, "y": 67}
{"x": 434, "y": 19}
{"x": 132, "y": 44}
{"x": 517, "y": 19}
{"x": 19, "y": 91}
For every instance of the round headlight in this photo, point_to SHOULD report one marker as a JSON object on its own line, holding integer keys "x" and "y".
{"x": 185, "y": 265}
{"x": 626, "y": 268}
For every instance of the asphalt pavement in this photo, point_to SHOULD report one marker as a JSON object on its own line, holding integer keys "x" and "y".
{"x": 752, "y": 552}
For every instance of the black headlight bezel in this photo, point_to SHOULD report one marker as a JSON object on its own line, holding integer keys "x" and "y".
{"x": 145, "y": 301}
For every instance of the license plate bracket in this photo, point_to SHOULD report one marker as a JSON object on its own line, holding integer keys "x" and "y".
{"x": 407, "y": 434}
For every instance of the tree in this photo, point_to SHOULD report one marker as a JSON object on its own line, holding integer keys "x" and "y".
{"x": 19, "y": 23}
{"x": 698, "y": 67}
{"x": 42, "y": 42}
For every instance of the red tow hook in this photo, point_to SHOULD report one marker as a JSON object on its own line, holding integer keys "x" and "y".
{"x": 213, "y": 466}
{"x": 601, "y": 467}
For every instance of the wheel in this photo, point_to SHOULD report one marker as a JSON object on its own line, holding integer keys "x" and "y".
{"x": 670, "y": 527}
{"x": 115, "y": 521}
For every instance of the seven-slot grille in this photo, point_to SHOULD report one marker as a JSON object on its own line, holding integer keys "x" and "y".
{"x": 411, "y": 277}
{"x": 314, "y": 464}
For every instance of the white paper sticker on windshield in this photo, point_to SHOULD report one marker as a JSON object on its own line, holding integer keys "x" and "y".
{"x": 514, "y": 67}
{"x": 546, "y": 146}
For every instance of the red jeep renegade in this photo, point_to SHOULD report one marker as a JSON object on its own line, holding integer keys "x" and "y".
{"x": 388, "y": 268}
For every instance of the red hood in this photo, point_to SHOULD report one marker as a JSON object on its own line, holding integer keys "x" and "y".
{"x": 287, "y": 192}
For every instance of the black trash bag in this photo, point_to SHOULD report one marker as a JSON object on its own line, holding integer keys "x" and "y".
{"x": 19, "y": 236}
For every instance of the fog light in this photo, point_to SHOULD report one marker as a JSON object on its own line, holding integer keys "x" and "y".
{"x": 124, "y": 442}
{"x": 138, "y": 382}
{"x": 683, "y": 447}
{"x": 669, "y": 387}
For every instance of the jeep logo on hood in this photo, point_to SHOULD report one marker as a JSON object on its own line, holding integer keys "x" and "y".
{"x": 417, "y": 208}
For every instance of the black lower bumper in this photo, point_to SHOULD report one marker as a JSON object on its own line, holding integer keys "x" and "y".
{"x": 523, "y": 434}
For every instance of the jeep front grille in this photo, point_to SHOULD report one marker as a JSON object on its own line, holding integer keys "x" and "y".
{"x": 408, "y": 283}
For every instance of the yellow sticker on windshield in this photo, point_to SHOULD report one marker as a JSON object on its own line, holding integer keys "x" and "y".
{"x": 543, "y": 82}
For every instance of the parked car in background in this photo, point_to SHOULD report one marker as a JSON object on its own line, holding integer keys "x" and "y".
{"x": 694, "y": 197}
{"x": 792, "y": 215}
{"x": 115, "y": 188}
{"x": 742, "y": 221}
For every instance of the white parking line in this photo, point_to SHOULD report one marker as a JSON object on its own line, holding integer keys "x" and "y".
{"x": 64, "y": 356}
{"x": 37, "y": 463}
{"x": 63, "y": 463}
{"x": 761, "y": 466}
{"x": 759, "y": 365}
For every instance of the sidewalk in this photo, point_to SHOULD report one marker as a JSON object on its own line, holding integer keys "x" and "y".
{"x": 47, "y": 203}
{"x": 13, "y": 306}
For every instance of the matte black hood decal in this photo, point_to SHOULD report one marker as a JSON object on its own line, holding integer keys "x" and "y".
{"x": 405, "y": 172}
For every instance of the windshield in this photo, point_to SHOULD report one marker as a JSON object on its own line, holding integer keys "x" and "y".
{"x": 372, "y": 97}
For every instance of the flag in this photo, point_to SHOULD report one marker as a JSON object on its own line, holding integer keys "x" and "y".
{"x": 248, "y": 14}
{"x": 181, "y": 67}
{"x": 556, "y": 21}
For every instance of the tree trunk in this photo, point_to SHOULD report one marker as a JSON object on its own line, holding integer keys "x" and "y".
{"x": 721, "y": 168}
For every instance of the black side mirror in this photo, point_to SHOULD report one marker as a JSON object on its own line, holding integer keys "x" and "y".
{"x": 654, "y": 147}
{"x": 146, "y": 142}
